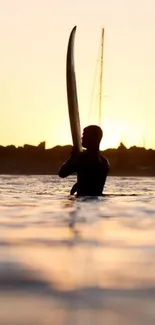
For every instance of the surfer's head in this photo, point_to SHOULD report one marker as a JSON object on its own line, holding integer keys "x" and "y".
{"x": 91, "y": 137}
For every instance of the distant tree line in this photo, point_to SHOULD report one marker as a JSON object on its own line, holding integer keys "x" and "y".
{"x": 135, "y": 161}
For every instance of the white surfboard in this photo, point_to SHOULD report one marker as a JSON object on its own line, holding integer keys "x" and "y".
{"x": 73, "y": 108}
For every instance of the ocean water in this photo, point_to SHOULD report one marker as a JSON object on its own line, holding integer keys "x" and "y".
{"x": 76, "y": 261}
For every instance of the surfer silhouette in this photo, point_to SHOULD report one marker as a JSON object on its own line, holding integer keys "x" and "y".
{"x": 91, "y": 167}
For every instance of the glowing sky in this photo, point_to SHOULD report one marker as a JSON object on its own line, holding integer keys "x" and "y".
{"x": 33, "y": 42}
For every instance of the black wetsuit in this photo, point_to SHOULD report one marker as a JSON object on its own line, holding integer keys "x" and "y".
{"x": 92, "y": 170}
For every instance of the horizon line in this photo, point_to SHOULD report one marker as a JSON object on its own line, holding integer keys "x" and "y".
{"x": 43, "y": 144}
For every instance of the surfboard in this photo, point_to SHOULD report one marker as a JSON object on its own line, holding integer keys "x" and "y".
{"x": 72, "y": 98}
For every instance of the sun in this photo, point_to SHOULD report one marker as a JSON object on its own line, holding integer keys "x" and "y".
{"x": 116, "y": 131}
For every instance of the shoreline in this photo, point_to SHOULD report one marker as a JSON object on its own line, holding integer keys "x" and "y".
{"x": 32, "y": 160}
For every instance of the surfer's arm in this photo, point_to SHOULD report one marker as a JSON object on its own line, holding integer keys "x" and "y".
{"x": 68, "y": 168}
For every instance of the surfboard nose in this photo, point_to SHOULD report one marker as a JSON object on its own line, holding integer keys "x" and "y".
{"x": 72, "y": 97}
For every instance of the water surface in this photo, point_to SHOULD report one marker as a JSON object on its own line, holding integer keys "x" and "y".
{"x": 76, "y": 261}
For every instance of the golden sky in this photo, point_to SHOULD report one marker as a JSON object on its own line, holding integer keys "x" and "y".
{"x": 33, "y": 40}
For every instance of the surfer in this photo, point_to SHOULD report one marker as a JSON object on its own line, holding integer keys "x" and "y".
{"x": 91, "y": 167}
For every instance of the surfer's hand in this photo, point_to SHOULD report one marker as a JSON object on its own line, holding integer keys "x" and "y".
{"x": 74, "y": 152}
{"x": 74, "y": 189}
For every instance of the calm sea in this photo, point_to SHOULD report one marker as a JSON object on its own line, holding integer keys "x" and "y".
{"x": 76, "y": 261}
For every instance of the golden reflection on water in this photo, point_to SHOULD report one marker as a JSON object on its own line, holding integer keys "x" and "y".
{"x": 72, "y": 262}
{"x": 106, "y": 254}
